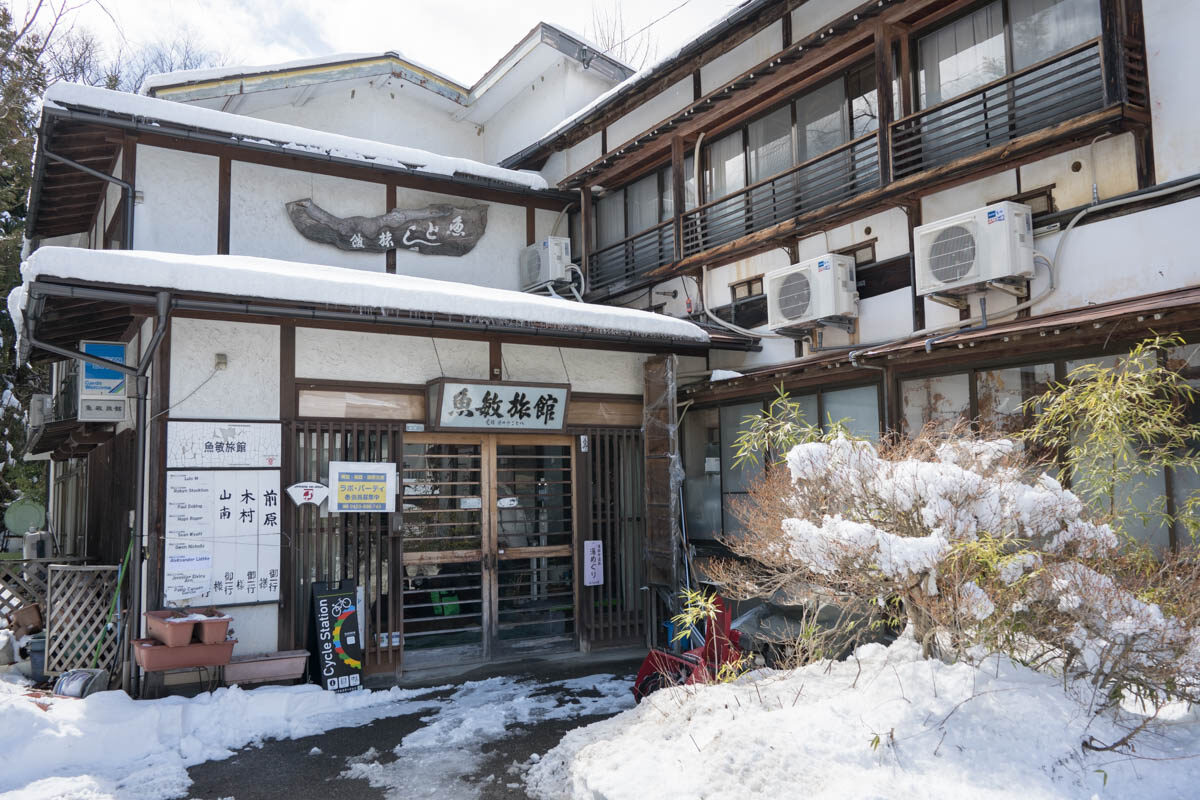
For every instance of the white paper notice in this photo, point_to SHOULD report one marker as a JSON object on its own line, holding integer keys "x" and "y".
{"x": 593, "y": 562}
{"x": 222, "y": 537}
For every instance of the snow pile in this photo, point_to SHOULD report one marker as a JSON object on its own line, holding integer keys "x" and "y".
{"x": 886, "y": 724}
{"x": 429, "y": 761}
{"x": 271, "y": 279}
{"x": 288, "y": 137}
{"x": 724, "y": 375}
{"x": 109, "y": 744}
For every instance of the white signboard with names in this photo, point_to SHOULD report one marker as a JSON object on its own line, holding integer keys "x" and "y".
{"x": 222, "y": 537}
{"x": 593, "y": 562}
{"x": 197, "y": 445}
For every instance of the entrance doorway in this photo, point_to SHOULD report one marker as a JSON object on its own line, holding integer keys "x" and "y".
{"x": 488, "y": 535}
{"x": 476, "y": 563}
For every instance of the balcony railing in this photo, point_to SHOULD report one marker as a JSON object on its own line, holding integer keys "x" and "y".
{"x": 1062, "y": 88}
{"x": 1083, "y": 80}
{"x": 827, "y": 179}
{"x": 614, "y": 264}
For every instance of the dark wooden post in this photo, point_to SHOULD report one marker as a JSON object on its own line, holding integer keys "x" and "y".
{"x": 678, "y": 192}
{"x": 224, "y": 181}
{"x": 288, "y": 613}
{"x": 883, "y": 99}
{"x": 585, "y": 232}
{"x": 1112, "y": 43}
{"x": 659, "y": 422}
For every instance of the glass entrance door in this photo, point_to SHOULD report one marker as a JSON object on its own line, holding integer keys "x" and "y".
{"x": 488, "y": 529}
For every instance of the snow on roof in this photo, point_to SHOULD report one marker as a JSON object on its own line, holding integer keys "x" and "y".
{"x": 184, "y": 76}
{"x": 271, "y": 279}
{"x": 290, "y": 137}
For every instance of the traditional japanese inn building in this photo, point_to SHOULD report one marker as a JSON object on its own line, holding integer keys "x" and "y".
{"x": 512, "y": 330}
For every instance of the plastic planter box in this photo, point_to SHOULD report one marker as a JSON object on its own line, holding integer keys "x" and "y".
{"x": 154, "y": 657}
{"x": 288, "y": 665}
{"x": 163, "y": 626}
{"x": 213, "y": 629}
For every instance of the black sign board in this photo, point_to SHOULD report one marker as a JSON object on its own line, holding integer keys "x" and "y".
{"x": 337, "y": 653}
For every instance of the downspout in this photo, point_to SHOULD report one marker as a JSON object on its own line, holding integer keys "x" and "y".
{"x": 163, "y": 306}
{"x": 126, "y": 191}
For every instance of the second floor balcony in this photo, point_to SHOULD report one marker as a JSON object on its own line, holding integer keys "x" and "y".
{"x": 1093, "y": 87}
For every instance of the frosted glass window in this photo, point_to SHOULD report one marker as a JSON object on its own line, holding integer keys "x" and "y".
{"x": 940, "y": 402}
{"x": 701, "y": 444}
{"x": 691, "y": 198}
{"x": 727, "y": 166}
{"x": 858, "y": 408}
{"x": 610, "y": 218}
{"x": 1044, "y": 28}
{"x": 641, "y": 204}
{"x": 962, "y": 56}
{"x": 770, "y": 139}
{"x": 821, "y": 119}
{"x": 733, "y": 422}
{"x": 1001, "y": 393}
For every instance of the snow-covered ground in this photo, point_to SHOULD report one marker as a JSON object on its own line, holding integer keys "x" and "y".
{"x": 884, "y": 724}
{"x": 109, "y": 746}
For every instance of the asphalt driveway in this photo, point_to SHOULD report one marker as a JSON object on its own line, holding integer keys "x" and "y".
{"x": 472, "y": 738}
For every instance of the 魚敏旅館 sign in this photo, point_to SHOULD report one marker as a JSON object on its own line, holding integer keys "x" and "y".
{"x": 494, "y": 406}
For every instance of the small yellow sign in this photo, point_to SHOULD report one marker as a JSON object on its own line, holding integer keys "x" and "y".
{"x": 362, "y": 487}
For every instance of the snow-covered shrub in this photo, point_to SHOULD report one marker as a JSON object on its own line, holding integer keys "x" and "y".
{"x": 980, "y": 553}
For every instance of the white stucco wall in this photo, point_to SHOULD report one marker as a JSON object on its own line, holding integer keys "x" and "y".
{"x": 178, "y": 211}
{"x": 259, "y": 224}
{"x": 248, "y": 388}
{"x": 813, "y": 15}
{"x": 394, "y": 111}
{"x": 755, "y": 50}
{"x": 675, "y": 98}
{"x": 327, "y": 354}
{"x": 601, "y": 371}
{"x": 1173, "y": 61}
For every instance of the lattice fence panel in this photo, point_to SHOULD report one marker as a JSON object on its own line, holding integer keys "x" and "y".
{"x": 22, "y": 583}
{"x": 79, "y": 599}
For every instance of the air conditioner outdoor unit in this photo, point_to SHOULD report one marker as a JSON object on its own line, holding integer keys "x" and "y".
{"x": 963, "y": 252}
{"x": 545, "y": 262}
{"x": 818, "y": 290}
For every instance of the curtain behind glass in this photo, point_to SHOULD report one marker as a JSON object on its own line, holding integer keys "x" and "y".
{"x": 962, "y": 56}
{"x": 770, "y": 139}
{"x": 610, "y": 218}
{"x": 641, "y": 204}
{"x": 1043, "y": 28}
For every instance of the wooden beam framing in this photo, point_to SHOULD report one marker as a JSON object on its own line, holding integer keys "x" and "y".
{"x": 224, "y": 181}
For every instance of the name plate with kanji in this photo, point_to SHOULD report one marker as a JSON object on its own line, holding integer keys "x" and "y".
{"x": 494, "y": 406}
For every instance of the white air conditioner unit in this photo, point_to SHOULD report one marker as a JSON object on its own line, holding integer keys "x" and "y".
{"x": 545, "y": 262}
{"x": 963, "y": 252}
{"x": 820, "y": 289}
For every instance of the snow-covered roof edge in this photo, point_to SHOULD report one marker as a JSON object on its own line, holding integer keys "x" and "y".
{"x": 289, "y": 137}
{"x": 272, "y": 279}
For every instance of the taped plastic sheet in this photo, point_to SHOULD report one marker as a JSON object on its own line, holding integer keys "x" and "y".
{"x": 664, "y": 473}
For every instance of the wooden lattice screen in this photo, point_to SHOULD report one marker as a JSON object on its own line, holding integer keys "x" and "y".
{"x": 22, "y": 583}
{"x": 79, "y": 600}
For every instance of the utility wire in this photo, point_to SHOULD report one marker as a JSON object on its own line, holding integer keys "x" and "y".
{"x": 645, "y": 27}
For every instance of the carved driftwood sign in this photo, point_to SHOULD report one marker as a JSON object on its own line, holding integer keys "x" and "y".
{"x": 439, "y": 230}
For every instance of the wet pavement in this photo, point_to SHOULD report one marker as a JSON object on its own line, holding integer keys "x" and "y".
{"x": 469, "y": 738}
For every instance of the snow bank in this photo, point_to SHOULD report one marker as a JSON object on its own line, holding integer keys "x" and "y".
{"x": 109, "y": 744}
{"x": 886, "y": 724}
{"x": 289, "y": 137}
{"x": 270, "y": 279}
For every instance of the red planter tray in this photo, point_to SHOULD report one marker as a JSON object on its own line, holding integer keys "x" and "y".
{"x": 162, "y": 626}
{"x": 153, "y": 656}
{"x": 213, "y": 629}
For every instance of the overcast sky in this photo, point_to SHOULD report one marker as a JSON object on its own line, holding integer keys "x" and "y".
{"x": 461, "y": 38}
